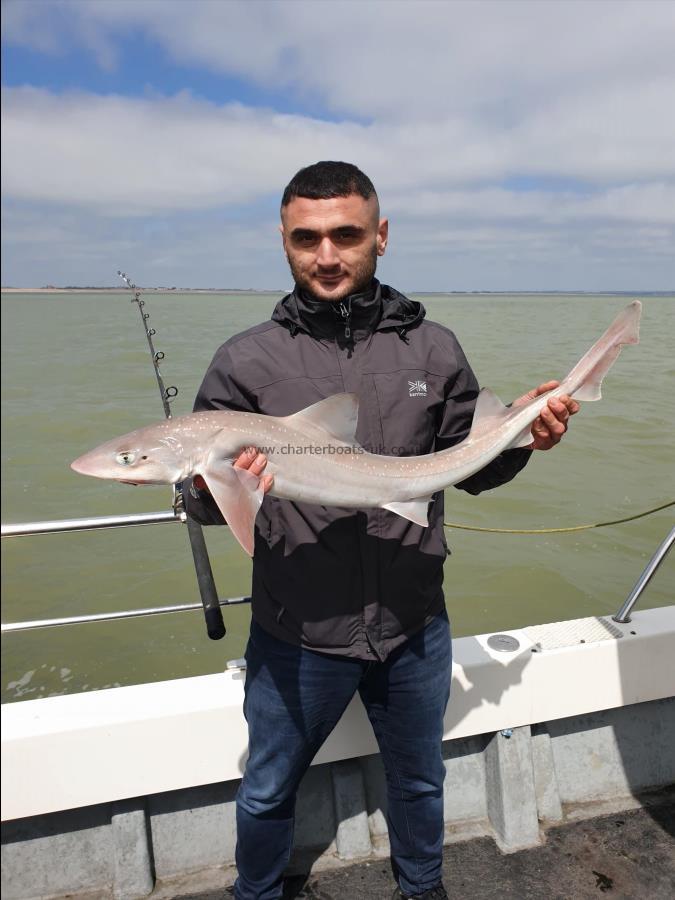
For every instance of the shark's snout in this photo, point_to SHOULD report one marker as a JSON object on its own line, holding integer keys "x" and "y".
{"x": 84, "y": 465}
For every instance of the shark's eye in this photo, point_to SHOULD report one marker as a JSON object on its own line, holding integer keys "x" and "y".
{"x": 126, "y": 458}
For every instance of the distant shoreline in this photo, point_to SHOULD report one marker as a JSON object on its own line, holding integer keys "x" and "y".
{"x": 237, "y": 291}
{"x": 144, "y": 290}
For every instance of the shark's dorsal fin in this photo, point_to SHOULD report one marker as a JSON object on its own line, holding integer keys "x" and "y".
{"x": 336, "y": 415}
{"x": 489, "y": 412}
{"x": 489, "y": 404}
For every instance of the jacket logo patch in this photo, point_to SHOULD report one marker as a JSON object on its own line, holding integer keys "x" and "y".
{"x": 417, "y": 388}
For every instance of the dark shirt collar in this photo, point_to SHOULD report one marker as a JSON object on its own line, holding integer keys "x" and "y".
{"x": 377, "y": 309}
{"x": 352, "y": 318}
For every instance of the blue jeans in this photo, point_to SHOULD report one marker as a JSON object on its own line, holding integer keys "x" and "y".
{"x": 293, "y": 700}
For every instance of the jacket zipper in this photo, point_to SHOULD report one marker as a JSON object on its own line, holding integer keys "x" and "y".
{"x": 346, "y": 313}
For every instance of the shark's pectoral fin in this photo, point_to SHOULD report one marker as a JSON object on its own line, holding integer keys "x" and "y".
{"x": 238, "y": 494}
{"x": 414, "y": 510}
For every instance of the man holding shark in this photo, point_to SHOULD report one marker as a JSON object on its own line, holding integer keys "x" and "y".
{"x": 349, "y": 600}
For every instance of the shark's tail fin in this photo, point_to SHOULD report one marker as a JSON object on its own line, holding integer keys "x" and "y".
{"x": 585, "y": 380}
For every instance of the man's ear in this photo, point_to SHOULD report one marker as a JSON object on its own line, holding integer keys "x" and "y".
{"x": 283, "y": 237}
{"x": 382, "y": 236}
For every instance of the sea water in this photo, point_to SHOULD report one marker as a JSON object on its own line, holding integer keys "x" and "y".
{"x": 77, "y": 371}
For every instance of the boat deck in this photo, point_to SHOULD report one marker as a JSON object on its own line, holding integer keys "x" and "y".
{"x": 625, "y": 856}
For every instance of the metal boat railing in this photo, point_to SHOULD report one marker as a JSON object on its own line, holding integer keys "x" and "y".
{"x": 56, "y": 526}
{"x": 98, "y": 522}
{"x": 107, "y": 617}
{"x": 623, "y": 614}
{"x": 95, "y": 523}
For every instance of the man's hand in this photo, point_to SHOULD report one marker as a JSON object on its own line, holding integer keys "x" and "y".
{"x": 248, "y": 459}
{"x": 549, "y": 427}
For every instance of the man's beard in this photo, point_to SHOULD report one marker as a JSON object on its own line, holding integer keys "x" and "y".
{"x": 361, "y": 278}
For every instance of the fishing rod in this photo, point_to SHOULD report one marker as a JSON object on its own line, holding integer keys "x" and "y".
{"x": 215, "y": 626}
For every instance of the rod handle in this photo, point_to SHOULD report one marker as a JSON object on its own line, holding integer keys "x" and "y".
{"x": 215, "y": 627}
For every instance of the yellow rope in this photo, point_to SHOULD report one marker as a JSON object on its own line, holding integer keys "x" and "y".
{"x": 558, "y": 530}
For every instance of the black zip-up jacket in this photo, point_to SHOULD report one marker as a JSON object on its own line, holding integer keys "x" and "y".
{"x": 336, "y": 580}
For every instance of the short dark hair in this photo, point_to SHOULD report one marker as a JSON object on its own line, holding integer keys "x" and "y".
{"x": 327, "y": 179}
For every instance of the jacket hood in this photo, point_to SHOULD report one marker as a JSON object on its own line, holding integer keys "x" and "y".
{"x": 377, "y": 309}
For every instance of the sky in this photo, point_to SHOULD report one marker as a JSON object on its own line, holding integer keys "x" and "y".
{"x": 514, "y": 145}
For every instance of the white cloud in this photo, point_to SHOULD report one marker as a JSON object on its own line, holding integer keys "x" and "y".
{"x": 653, "y": 202}
{"x": 386, "y": 58}
{"x": 73, "y": 247}
{"x": 120, "y": 155}
{"x": 447, "y": 105}
{"x": 451, "y": 253}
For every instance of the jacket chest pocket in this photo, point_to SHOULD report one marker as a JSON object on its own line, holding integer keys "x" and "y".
{"x": 410, "y": 406}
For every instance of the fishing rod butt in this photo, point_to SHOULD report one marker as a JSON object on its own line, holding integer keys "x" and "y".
{"x": 215, "y": 626}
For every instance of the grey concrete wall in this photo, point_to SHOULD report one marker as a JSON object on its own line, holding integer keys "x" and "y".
{"x": 510, "y": 785}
